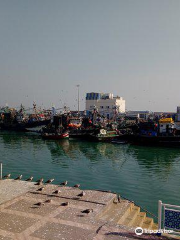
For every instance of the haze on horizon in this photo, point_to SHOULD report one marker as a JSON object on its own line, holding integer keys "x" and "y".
{"x": 130, "y": 48}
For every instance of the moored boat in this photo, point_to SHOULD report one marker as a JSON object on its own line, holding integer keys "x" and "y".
{"x": 13, "y": 120}
{"x": 103, "y": 135}
{"x": 162, "y": 133}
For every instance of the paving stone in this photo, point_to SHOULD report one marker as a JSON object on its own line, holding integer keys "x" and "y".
{"x": 114, "y": 236}
{"x": 72, "y": 193}
{"x": 103, "y": 197}
{"x": 52, "y": 231}
{"x": 9, "y": 189}
{"x": 75, "y": 215}
{"x": 29, "y": 207}
{"x": 14, "y": 223}
{"x": 65, "y": 223}
{"x": 48, "y": 188}
{"x": 5, "y": 238}
{"x": 58, "y": 200}
{"x": 68, "y": 192}
{"x": 119, "y": 232}
{"x": 97, "y": 196}
{"x": 85, "y": 205}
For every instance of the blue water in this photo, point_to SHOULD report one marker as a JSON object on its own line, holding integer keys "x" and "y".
{"x": 142, "y": 174}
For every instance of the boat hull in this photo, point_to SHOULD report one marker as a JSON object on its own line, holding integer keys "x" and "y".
{"x": 55, "y": 136}
{"x": 101, "y": 138}
{"x": 23, "y": 127}
{"x": 106, "y": 136}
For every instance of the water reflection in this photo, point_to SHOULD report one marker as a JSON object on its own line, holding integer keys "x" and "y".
{"x": 21, "y": 140}
{"x": 93, "y": 152}
{"x": 95, "y": 157}
{"x": 158, "y": 161}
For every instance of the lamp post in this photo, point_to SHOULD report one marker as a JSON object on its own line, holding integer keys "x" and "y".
{"x": 94, "y": 114}
{"x": 78, "y": 96}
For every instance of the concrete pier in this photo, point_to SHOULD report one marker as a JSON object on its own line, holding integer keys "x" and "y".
{"x": 21, "y": 218}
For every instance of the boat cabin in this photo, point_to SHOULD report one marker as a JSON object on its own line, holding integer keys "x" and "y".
{"x": 166, "y": 126}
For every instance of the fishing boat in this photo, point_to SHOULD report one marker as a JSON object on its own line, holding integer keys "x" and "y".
{"x": 103, "y": 135}
{"x": 56, "y": 130}
{"x": 24, "y": 126}
{"x": 13, "y": 120}
{"x": 162, "y": 133}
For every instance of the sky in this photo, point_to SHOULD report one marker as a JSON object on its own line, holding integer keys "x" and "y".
{"x": 127, "y": 47}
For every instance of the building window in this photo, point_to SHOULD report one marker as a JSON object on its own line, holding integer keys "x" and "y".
{"x": 107, "y": 107}
{"x": 101, "y": 107}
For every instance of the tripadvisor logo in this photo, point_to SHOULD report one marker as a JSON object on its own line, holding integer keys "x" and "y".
{"x": 139, "y": 231}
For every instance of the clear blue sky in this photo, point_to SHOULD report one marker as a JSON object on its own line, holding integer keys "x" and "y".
{"x": 127, "y": 47}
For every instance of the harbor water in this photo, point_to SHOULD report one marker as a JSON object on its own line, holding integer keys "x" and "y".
{"x": 142, "y": 174}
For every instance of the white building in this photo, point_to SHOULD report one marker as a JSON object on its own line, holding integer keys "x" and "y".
{"x": 106, "y": 104}
{"x": 139, "y": 114}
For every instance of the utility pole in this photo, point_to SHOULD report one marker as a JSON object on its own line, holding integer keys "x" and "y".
{"x": 78, "y": 97}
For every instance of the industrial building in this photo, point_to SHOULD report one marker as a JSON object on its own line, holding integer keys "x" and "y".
{"x": 105, "y": 103}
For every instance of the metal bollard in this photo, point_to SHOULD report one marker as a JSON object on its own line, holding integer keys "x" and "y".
{"x": 1, "y": 170}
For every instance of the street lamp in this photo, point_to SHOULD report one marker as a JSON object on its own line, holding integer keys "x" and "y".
{"x": 78, "y": 97}
{"x": 95, "y": 111}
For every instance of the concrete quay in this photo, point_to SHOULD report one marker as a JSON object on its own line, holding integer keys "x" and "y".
{"x": 22, "y": 219}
